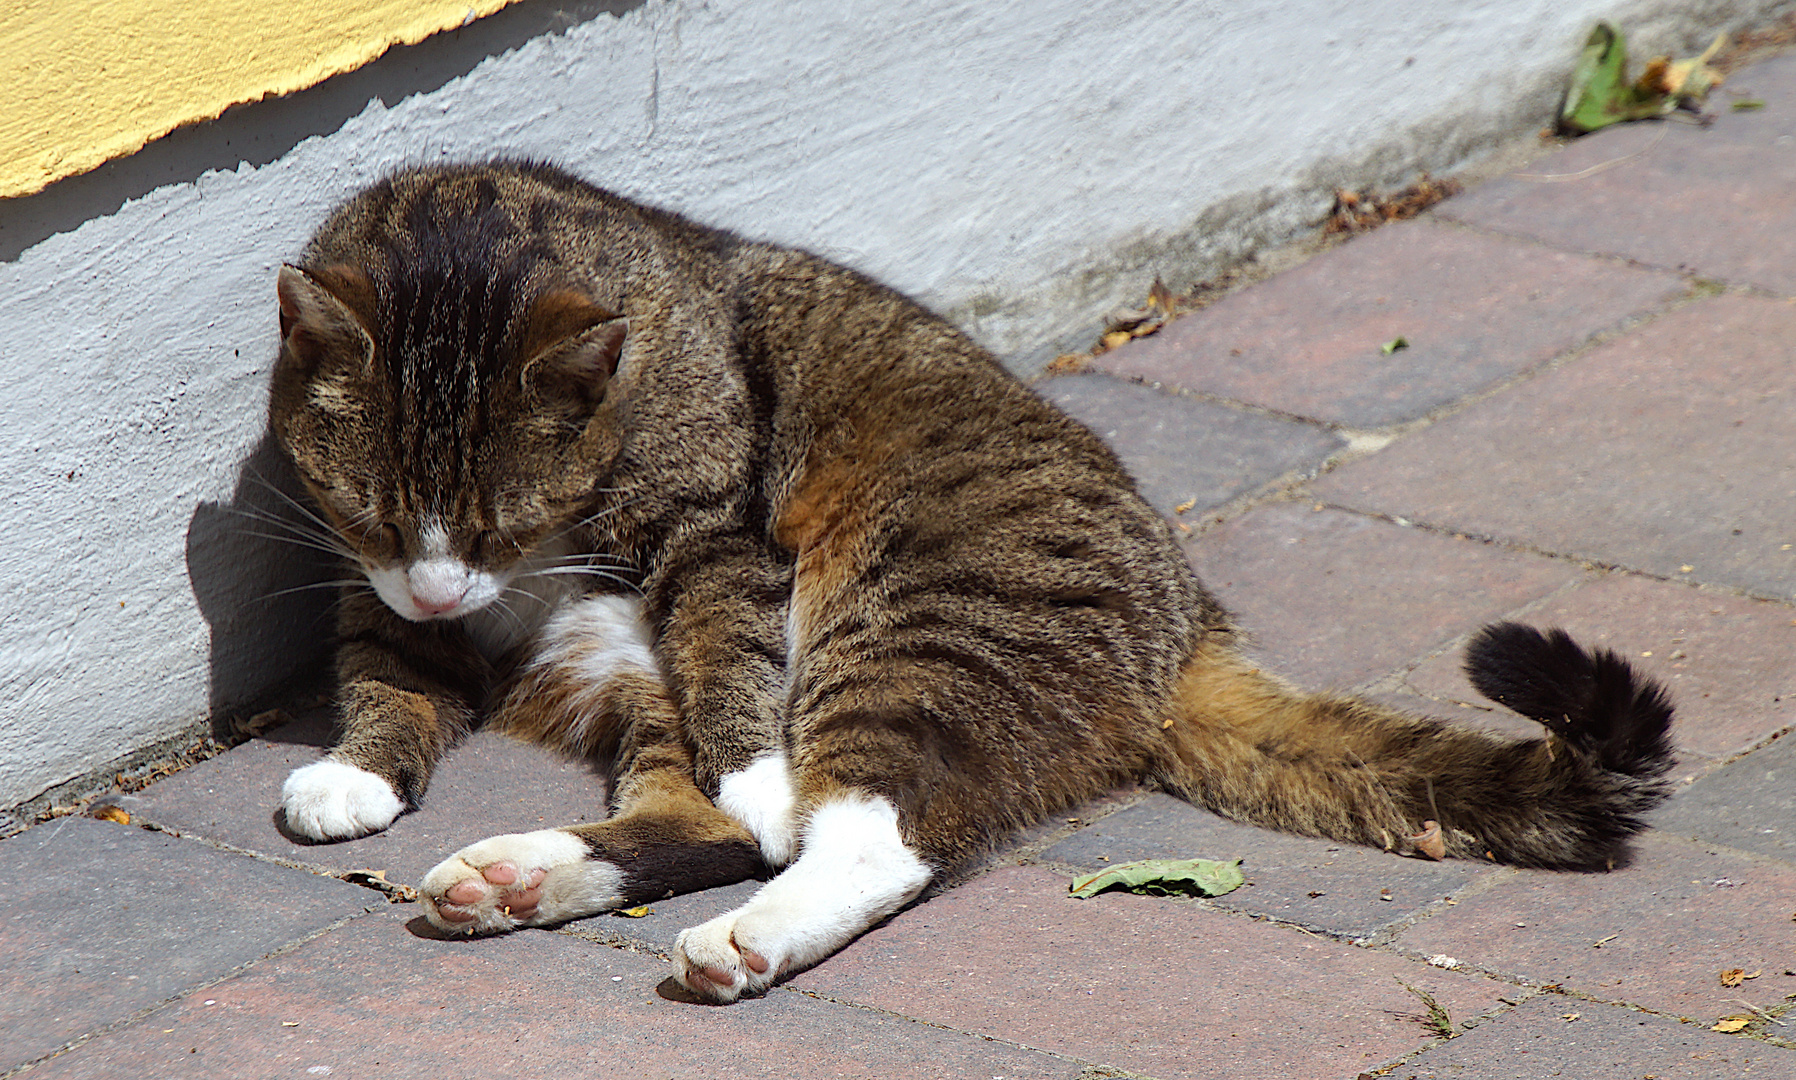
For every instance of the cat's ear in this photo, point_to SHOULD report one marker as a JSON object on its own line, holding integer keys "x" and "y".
{"x": 320, "y": 313}
{"x": 572, "y": 347}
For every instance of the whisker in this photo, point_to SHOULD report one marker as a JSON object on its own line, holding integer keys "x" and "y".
{"x": 608, "y": 511}
{"x": 307, "y": 511}
{"x": 587, "y": 571}
{"x": 616, "y": 561}
{"x": 557, "y": 571}
{"x": 296, "y": 525}
{"x": 308, "y": 531}
{"x": 346, "y": 582}
{"x": 502, "y": 604}
{"x": 302, "y": 540}
{"x": 325, "y": 527}
{"x": 594, "y": 518}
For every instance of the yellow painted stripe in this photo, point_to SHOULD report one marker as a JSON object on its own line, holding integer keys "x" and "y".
{"x": 85, "y": 81}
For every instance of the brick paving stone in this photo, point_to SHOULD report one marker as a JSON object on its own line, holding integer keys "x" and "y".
{"x": 103, "y": 920}
{"x": 1473, "y": 308}
{"x": 1728, "y": 661}
{"x": 489, "y": 785}
{"x": 1184, "y": 451}
{"x": 1338, "y": 599}
{"x": 1320, "y": 884}
{"x": 1669, "y": 925}
{"x": 1162, "y": 987}
{"x": 1704, "y": 200}
{"x": 1666, "y": 450}
{"x": 1748, "y": 804}
{"x": 1536, "y": 1041}
{"x": 371, "y": 999}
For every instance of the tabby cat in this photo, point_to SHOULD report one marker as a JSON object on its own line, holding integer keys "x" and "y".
{"x": 839, "y": 597}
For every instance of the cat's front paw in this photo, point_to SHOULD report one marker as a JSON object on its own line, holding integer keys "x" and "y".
{"x": 722, "y": 961}
{"x": 333, "y": 800}
{"x": 520, "y": 879}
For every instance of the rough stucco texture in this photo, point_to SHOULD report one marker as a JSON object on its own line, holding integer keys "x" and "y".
{"x": 1021, "y": 167}
{"x": 78, "y": 89}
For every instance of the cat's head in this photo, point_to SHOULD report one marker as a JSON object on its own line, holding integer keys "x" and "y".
{"x": 447, "y": 429}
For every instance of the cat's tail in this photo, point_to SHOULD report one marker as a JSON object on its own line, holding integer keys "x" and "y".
{"x": 1248, "y": 746}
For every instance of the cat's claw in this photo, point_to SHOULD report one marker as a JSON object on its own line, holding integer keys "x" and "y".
{"x": 334, "y": 800}
{"x": 520, "y": 879}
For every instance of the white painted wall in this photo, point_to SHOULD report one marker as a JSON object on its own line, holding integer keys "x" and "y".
{"x": 1023, "y": 167}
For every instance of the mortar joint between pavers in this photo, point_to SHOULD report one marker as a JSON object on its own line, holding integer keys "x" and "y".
{"x": 1780, "y": 733}
{"x": 394, "y": 892}
{"x": 1506, "y": 1005}
{"x": 1590, "y": 563}
{"x": 1398, "y": 680}
{"x": 1364, "y": 442}
{"x": 583, "y": 931}
{"x": 1233, "y": 404}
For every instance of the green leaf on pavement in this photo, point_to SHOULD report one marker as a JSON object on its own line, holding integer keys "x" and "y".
{"x": 1600, "y": 93}
{"x": 1164, "y": 877}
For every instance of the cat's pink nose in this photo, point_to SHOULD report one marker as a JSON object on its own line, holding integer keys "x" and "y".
{"x": 437, "y": 605}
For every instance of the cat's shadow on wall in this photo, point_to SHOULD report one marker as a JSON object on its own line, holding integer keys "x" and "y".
{"x": 261, "y": 574}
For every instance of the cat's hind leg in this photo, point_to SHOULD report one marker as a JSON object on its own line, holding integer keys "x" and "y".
{"x": 854, "y": 869}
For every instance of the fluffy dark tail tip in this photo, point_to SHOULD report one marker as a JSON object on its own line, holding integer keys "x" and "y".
{"x": 1593, "y": 699}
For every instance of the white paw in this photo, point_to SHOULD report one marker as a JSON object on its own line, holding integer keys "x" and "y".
{"x": 520, "y": 879}
{"x": 718, "y": 966}
{"x": 333, "y": 800}
{"x": 855, "y": 870}
{"x": 762, "y": 800}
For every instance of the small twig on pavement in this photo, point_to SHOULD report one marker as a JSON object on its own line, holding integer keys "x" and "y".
{"x": 1760, "y": 1013}
{"x": 1563, "y": 178}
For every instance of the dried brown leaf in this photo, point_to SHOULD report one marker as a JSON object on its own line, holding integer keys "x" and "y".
{"x": 1428, "y": 842}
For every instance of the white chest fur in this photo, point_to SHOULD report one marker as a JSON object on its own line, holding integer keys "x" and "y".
{"x": 535, "y": 590}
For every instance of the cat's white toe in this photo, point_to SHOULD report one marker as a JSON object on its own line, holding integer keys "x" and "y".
{"x": 519, "y": 879}
{"x": 333, "y": 800}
